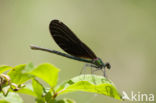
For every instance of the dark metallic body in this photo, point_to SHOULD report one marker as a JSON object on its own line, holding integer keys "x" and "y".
{"x": 66, "y": 39}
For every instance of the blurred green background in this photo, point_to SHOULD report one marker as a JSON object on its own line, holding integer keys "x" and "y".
{"x": 122, "y": 32}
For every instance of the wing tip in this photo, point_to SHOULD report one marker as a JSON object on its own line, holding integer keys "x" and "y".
{"x": 55, "y": 21}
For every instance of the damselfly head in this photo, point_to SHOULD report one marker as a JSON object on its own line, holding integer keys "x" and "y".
{"x": 107, "y": 65}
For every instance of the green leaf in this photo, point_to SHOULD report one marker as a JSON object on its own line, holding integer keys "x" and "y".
{"x": 28, "y": 68}
{"x": 4, "y": 68}
{"x": 38, "y": 88}
{"x": 48, "y": 97}
{"x": 11, "y": 98}
{"x": 90, "y": 83}
{"x": 66, "y": 100}
{"x": 39, "y": 100}
{"x": 17, "y": 76}
{"x": 28, "y": 89}
{"x": 46, "y": 72}
{"x": 5, "y": 90}
{"x": 3, "y": 101}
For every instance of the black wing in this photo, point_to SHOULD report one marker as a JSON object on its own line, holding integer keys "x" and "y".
{"x": 68, "y": 41}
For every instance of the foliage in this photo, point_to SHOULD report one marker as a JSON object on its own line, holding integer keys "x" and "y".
{"x": 15, "y": 81}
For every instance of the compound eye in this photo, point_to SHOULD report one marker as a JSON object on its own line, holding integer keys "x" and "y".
{"x": 108, "y": 65}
